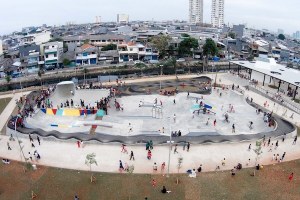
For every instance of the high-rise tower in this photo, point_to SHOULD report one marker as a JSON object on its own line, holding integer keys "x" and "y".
{"x": 196, "y": 11}
{"x": 217, "y": 13}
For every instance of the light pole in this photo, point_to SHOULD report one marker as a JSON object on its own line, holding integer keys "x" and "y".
{"x": 170, "y": 146}
{"x": 19, "y": 142}
{"x": 161, "y": 71}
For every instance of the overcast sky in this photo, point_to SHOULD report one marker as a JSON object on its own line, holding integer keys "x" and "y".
{"x": 270, "y": 14}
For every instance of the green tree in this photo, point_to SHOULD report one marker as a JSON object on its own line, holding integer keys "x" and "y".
{"x": 173, "y": 62}
{"x": 232, "y": 35}
{"x": 86, "y": 41}
{"x": 281, "y": 37}
{"x": 186, "y": 46}
{"x": 7, "y": 78}
{"x": 109, "y": 47}
{"x": 161, "y": 43}
{"x": 66, "y": 62}
{"x": 89, "y": 161}
{"x": 209, "y": 49}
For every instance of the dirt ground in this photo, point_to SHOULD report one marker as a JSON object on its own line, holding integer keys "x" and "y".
{"x": 54, "y": 183}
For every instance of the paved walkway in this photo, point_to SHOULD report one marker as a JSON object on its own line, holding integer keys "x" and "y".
{"x": 66, "y": 154}
{"x": 5, "y": 115}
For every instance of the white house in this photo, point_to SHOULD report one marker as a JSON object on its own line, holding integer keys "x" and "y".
{"x": 52, "y": 53}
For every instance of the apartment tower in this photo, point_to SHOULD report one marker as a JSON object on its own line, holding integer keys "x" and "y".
{"x": 196, "y": 11}
{"x": 217, "y": 13}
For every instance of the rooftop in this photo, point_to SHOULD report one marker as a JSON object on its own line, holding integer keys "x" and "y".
{"x": 268, "y": 66}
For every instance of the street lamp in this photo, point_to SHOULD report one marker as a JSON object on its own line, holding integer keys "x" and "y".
{"x": 170, "y": 146}
{"x": 19, "y": 142}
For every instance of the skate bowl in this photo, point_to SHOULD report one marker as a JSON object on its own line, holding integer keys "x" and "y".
{"x": 79, "y": 127}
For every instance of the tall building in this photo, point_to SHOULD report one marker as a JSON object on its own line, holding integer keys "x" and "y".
{"x": 217, "y": 13}
{"x": 296, "y": 35}
{"x": 280, "y": 31}
{"x": 196, "y": 11}
{"x": 122, "y": 18}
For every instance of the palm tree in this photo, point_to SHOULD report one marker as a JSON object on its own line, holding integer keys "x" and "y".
{"x": 89, "y": 160}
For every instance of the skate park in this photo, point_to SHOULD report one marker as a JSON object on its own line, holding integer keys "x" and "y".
{"x": 140, "y": 115}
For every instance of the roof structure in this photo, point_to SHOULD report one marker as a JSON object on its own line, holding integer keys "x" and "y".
{"x": 268, "y": 66}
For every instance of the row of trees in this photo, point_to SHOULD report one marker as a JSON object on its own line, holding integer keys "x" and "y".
{"x": 186, "y": 47}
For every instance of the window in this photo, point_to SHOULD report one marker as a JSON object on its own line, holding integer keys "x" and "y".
{"x": 46, "y": 55}
{"x": 130, "y": 49}
{"x": 55, "y": 55}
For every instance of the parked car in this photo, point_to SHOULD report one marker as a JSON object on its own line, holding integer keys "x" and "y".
{"x": 180, "y": 60}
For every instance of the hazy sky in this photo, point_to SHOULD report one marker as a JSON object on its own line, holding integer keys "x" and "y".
{"x": 270, "y": 14}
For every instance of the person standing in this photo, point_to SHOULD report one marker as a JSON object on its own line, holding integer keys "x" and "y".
{"x": 215, "y": 122}
{"x": 223, "y": 162}
{"x": 188, "y": 147}
{"x": 282, "y": 157}
{"x": 162, "y": 168}
{"x": 155, "y": 167}
{"x": 8, "y": 146}
{"x": 291, "y": 176}
{"x": 174, "y": 118}
{"x": 30, "y": 138}
{"x": 271, "y": 148}
{"x": 283, "y": 137}
{"x": 131, "y": 156}
{"x": 32, "y": 145}
{"x": 78, "y": 143}
{"x": 38, "y": 139}
{"x": 149, "y": 155}
{"x": 121, "y": 168}
{"x": 276, "y": 144}
{"x": 295, "y": 140}
{"x": 269, "y": 141}
{"x": 175, "y": 149}
{"x": 174, "y": 101}
{"x": 249, "y": 148}
{"x": 233, "y": 128}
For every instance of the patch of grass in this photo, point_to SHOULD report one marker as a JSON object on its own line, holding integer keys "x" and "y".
{"x": 3, "y": 103}
{"x": 54, "y": 183}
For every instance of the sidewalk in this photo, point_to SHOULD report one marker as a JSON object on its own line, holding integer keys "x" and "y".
{"x": 5, "y": 115}
{"x": 66, "y": 154}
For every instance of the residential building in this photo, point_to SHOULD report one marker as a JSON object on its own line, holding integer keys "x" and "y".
{"x": 122, "y": 19}
{"x": 136, "y": 51}
{"x": 95, "y": 40}
{"x": 33, "y": 61}
{"x": 52, "y": 52}
{"x": 196, "y": 11}
{"x": 37, "y": 38}
{"x": 1, "y": 48}
{"x": 217, "y": 13}
{"x": 242, "y": 31}
{"x": 25, "y": 50}
{"x": 86, "y": 55}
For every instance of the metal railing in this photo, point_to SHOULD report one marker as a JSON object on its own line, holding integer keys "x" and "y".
{"x": 282, "y": 100}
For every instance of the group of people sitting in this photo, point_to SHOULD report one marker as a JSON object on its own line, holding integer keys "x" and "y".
{"x": 176, "y": 133}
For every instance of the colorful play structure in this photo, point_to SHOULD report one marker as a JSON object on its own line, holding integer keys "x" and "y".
{"x": 72, "y": 112}
{"x": 205, "y": 108}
